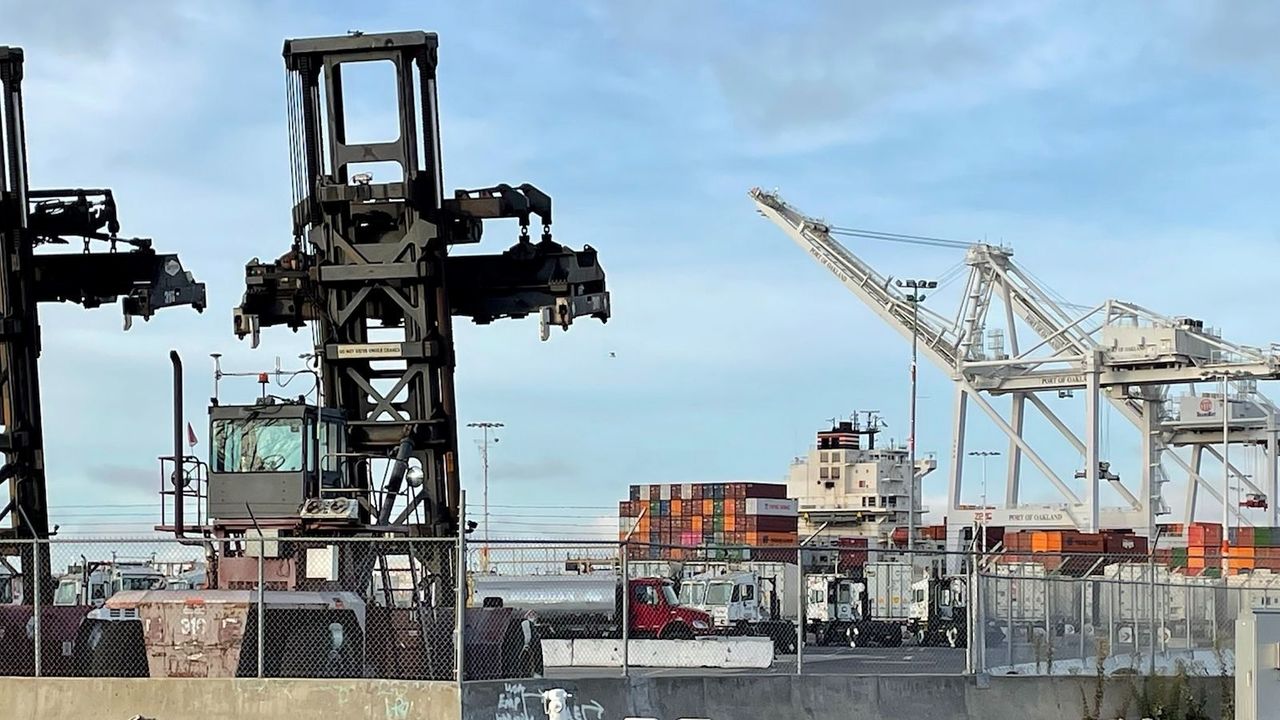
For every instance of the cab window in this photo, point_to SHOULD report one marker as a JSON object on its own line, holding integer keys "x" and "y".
{"x": 66, "y": 593}
{"x": 260, "y": 444}
{"x": 645, "y": 595}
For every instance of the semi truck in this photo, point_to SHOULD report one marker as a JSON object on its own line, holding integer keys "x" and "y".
{"x": 747, "y": 603}
{"x": 92, "y": 583}
{"x": 831, "y": 607}
{"x": 590, "y": 605}
{"x": 885, "y": 603}
{"x": 938, "y": 613}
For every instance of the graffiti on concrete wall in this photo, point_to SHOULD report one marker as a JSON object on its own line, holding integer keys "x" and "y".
{"x": 517, "y": 702}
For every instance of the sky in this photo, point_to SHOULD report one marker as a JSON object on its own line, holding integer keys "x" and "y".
{"x": 1122, "y": 152}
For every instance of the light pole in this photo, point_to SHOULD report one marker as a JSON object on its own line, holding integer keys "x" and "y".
{"x": 485, "y": 427}
{"x": 984, "y": 454}
{"x": 915, "y": 297}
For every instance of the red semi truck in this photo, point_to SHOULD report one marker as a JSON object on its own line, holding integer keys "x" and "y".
{"x": 590, "y": 605}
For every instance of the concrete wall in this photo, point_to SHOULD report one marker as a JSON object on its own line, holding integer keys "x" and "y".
{"x": 199, "y": 699}
{"x": 811, "y": 697}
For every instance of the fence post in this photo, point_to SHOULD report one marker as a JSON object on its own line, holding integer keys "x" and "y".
{"x": 625, "y": 571}
{"x": 38, "y": 586}
{"x": 1008, "y": 628}
{"x": 974, "y": 620}
{"x": 1086, "y": 592}
{"x": 460, "y": 599}
{"x": 800, "y": 608}
{"x": 1151, "y": 640}
{"x": 262, "y": 603}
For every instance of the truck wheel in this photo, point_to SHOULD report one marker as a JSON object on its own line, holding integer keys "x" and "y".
{"x": 676, "y": 631}
{"x": 854, "y": 636}
{"x": 953, "y": 636}
{"x": 893, "y": 638}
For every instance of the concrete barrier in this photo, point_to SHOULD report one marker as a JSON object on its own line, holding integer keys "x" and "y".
{"x": 817, "y": 697}
{"x": 712, "y": 652}
{"x": 203, "y": 699}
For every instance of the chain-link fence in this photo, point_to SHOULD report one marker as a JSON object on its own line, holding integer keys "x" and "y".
{"x": 736, "y": 609}
{"x": 282, "y": 607}
{"x": 393, "y": 608}
{"x": 1131, "y": 616}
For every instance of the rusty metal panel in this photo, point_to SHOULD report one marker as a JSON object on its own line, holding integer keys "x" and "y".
{"x": 241, "y": 573}
{"x": 192, "y": 638}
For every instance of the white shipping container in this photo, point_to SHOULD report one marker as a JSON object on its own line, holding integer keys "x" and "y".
{"x": 1019, "y": 591}
{"x": 664, "y": 492}
{"x": 889, "y": 590}
{"x": 686, "y": 491}
{"x": 644, "y": 493}
{"x": 773, "y": 507}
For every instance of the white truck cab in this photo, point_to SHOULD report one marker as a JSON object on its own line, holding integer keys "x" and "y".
{"x": 93, "y": 583}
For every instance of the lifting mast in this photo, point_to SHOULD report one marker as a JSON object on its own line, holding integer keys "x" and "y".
{"x": 1099, "y": 351}
{"x": 29, "y": 219}
{"x": 371, "y": 273}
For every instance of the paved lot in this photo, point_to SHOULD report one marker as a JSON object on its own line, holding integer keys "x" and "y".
{"x": 817, "y": 661}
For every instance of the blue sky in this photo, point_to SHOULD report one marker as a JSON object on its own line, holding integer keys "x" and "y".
{"x": 1122, "y": 152}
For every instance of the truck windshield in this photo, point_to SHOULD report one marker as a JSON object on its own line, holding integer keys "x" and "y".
{"x": 718, "y": 593}
{"x": 844, "y": 594}
{"x": 261, "y": 444}
{"x": 669, "y": 594}
{"x": 66, "y": 593}
{"x": 692, "y": 593}
{"x": 141, "y": 582}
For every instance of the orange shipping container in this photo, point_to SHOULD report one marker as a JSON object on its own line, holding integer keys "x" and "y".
{"x": 1241, "y": 553}
{"x": 697, "y": 523}
{"x": 677, "y": 506}
{"x": 730, "y": 523}
{"x": 708, "y": 506}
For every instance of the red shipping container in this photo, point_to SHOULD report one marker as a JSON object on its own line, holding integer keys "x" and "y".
{"x": 1125, "y": 544}
{"x": 675, "y": 492}
{"x": 773, "y": 491}
{"x": 1204, "y": 534}
{"x": 655, "y": 492}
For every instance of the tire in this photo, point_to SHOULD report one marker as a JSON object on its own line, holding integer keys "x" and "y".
{"x": 676, "y": 631}
{"x": 854, "y": 635}
{"x": 893, "y": 638}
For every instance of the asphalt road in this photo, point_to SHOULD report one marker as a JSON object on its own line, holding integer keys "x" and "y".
{"x": 817, "y": 661}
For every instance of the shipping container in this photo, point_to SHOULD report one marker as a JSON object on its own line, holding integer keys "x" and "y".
{"x": 765, "y": 490}
{"x": 770, "y": 507}
{"x": 889, "y": 590}
{"x": 635, "y": 492}
{"x": 1019, "y": 590}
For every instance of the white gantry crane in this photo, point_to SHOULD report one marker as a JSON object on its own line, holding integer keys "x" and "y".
{"x": 1143, "y": 363}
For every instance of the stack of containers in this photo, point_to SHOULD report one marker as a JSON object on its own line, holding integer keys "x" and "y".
{"x": 667, "y": 522}
{"x": 1252, "y": 548}
{"x": 1204, "y": 548}
{"x": 1071, "y": 552}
